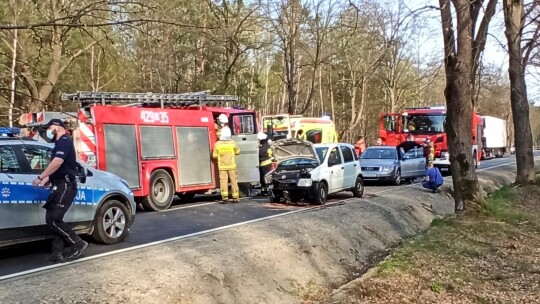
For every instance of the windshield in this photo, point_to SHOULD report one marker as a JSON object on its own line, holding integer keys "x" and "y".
{"x": 321, "y": 153}
{"x": 299, "y": 162}
{"x": 279, "y": 125}
{"x": 379, "y": 154}
{"x": 425, "y": 123}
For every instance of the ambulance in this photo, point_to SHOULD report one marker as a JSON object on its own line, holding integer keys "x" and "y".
{"x": 316, "y": 130}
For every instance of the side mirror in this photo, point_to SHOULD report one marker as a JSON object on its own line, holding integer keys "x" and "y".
{"x": 82, "y": 173}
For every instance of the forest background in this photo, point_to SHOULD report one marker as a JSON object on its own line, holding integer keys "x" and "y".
{"x": 350, "y": 59}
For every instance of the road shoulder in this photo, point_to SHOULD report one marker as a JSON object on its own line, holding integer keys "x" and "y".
{"x": 284, "y": 260}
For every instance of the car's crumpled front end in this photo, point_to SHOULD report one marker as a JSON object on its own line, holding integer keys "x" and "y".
{"x": 296, "y": 161}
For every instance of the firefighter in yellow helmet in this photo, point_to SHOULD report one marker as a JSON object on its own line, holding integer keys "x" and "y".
{"x": 225, "y": 151}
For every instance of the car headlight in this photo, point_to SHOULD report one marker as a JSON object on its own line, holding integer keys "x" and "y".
{"x": 444, "y": 155}
{"x": 387, "y": 169}
{"x": 304, "y": 182}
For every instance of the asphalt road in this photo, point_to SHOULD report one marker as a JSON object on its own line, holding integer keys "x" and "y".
{"x": 189, "y": 220}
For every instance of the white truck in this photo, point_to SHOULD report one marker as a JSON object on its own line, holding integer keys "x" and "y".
{"x": 494, "y": 137}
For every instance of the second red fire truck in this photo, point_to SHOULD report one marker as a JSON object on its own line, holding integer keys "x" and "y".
{"x": 161, "y": 144}
{"x": 423, "y": 123}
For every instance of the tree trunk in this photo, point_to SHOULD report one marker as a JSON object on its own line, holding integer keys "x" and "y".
{"x": 513, "y": 15}
{"x": 458, "y": 66}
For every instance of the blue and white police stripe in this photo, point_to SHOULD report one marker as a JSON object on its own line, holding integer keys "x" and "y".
{"x": 25, "y": 193}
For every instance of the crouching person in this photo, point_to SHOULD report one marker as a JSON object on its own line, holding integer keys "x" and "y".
{"x": 433, "y": 178}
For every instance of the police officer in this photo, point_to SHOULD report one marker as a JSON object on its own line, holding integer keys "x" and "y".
{"x": 266, "y": 159}
{"x": 60, "y": 173}
{"x": 225, "y": 151}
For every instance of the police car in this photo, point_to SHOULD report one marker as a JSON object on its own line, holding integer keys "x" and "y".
{"x": 103, "y": 208}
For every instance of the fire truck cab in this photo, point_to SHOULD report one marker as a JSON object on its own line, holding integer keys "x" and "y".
{"x": 427, "y": 123}
{"x": 161, "y": 144}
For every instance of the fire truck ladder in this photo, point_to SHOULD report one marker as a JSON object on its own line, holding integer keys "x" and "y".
{"x": 148, "y": 99}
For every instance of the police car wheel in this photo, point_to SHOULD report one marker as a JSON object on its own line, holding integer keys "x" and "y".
{"x": 111, "y": 223}
{"x": 161, "y": 191}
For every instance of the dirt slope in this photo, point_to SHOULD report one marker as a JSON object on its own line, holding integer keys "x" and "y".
{"x": 283, "y": 260}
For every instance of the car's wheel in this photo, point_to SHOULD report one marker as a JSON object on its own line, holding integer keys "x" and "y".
{"x": 358, "y": 190}
{"x": 321, "y": 193}
{"x": 397, "y": 178}
{"x": 111, "y": 222}
{"x": 275, "y": 198}
{"x": 161, "y": 191}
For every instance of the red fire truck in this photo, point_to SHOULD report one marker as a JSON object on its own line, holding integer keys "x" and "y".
{"x": 423, "y": 123}
{"x": 161, "y": 144}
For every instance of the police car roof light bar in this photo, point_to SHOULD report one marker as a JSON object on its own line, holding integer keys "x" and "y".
{"x": 148, "y": 99}
{"x": 9, "y": 131}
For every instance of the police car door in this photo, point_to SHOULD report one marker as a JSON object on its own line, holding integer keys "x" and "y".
{"x": 19, "y": 203}
{"x": 244, "y": 133}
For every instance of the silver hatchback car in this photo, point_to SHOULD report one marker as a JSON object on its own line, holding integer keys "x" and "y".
{"x": 104, "y": 207}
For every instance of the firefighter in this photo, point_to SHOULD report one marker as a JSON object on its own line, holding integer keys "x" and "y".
{"x": 266, "y": 159}
{"x": 60, "y": 173}
{"x": 222, "y": 122}
{"x": 225, "y": 151}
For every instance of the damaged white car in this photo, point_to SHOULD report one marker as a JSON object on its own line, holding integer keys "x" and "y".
{"x": 307, "y": 172}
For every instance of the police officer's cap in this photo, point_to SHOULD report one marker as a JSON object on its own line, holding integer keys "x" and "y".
{"x": 56, "y": 122}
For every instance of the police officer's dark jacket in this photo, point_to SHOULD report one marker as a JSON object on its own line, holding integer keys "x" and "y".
{"x": 64, "y": 149}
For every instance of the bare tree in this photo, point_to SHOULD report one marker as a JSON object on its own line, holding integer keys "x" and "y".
{"x": 514, "y": 17}
{"x": 461, "y": 54}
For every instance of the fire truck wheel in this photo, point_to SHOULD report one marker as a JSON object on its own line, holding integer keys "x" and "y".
{"x": 397, "y": 179}
{"x": 111, "y": 223}
{"x": 161, "y": 191}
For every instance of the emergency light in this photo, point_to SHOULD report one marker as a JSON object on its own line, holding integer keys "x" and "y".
{"x": 9, "y": 131}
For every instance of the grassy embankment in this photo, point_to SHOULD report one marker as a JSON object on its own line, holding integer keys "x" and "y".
{"x": 488, "y": 258}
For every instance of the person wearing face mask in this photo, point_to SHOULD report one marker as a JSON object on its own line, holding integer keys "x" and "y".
{"x": 60, "y": 173}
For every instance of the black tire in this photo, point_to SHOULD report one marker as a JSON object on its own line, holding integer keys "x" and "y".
{"x": 321, "y": 193}
{"x": 358, "y": 190}
{"x": 111, "y": 224}
{"x": 161, "y": 191}
{"x": 397, "y": 179}
{"x": 274, "y": 198}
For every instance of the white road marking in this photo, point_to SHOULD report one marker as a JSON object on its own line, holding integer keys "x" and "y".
{"x": 189, "y": 206}
{"x": 35, "y": 270}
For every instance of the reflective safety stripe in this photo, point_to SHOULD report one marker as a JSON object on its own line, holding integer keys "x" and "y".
{"x": 225, "y": 152}
{"x": 267, "y": 162}
{"x": 25, "y": 193}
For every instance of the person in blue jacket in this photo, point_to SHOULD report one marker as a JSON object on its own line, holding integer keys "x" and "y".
{"x": 433, "y": 178}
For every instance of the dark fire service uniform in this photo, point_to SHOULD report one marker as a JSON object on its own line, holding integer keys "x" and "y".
{"x": 64, "y": 190}
{"x": 266, "y": 158}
